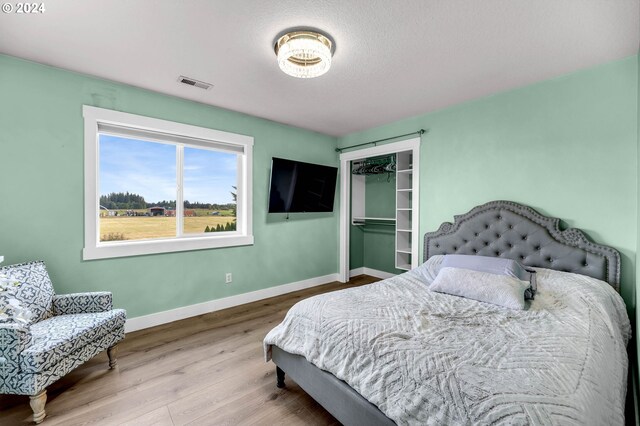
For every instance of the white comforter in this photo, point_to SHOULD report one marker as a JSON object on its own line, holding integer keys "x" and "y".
{"x": 428, "y": 358}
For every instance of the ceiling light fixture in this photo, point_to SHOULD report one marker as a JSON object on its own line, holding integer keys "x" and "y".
{"x": 304, "y": 54}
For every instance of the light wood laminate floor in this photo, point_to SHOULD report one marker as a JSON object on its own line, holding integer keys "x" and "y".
{"x": 206, "y": 370}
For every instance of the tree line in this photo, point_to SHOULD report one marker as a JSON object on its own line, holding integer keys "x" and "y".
{"x": 229, "y": 226}
{"x": 131, "y": 201}
{"x": 123, "y": 200}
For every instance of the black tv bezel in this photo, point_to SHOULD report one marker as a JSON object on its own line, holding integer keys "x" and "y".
{"x": 333, "y": 201}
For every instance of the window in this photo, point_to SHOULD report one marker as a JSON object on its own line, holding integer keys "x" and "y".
{"x": 154, "y": 186}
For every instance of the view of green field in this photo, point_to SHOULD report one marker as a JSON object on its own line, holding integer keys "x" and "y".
{"x": 123, "y": 227}
{"x": 138, "y": 189}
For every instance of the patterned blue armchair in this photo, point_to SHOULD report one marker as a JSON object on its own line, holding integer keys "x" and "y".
{"x": 63, "y": 332}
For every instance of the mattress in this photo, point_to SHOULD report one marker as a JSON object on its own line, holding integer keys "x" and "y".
{"x": 429, "y": 358}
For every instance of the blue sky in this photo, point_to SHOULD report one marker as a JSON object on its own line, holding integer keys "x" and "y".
{"x": 149, "y": 169}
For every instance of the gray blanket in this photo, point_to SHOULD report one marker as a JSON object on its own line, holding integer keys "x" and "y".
{"x": 428, "y": 358}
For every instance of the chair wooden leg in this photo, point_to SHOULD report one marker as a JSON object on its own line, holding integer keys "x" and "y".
{"x": 37, "y": 403}
{"x": 112, "y": 352}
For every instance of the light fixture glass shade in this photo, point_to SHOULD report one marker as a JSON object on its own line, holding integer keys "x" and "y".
{"x": 304, "y": 54}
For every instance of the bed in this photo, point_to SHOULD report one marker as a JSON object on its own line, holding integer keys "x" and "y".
{"x": 395, "y": 352}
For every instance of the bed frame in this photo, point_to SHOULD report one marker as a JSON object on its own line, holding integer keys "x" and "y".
{"x": 497, "y": 229}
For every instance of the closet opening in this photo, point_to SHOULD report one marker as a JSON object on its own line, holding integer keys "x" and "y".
{"x": 379, "y": 210}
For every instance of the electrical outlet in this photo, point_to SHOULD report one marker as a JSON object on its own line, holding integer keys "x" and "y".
{"x": 228, "y": 278}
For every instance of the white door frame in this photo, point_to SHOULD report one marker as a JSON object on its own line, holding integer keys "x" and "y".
{"x": 345, "y": 196}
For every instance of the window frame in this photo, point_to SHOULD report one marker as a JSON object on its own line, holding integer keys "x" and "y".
{"x": 206, "y": 139}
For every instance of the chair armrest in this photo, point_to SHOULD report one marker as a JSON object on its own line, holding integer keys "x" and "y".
{"x": 14, "y": 338}
{"x": 82, "y": 303}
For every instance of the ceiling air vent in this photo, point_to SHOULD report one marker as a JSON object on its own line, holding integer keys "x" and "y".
{"x": 193, "y": 82}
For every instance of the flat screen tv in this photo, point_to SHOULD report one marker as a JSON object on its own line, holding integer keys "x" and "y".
{"x": 301, "y": 187}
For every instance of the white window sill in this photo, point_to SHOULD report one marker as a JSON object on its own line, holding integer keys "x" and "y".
{"x": 138, "y": 248}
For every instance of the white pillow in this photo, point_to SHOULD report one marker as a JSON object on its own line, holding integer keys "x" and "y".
{"x": 501, "y": 290}
{"x": 493, "y": 265}
{"x": 428, "y": 271}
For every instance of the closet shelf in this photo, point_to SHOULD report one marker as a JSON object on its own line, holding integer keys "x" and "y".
{"x": 404, "y": 266}
{"x": 363, "y": 220}
{"x": 404, "y": 250}
{"x": 405, "y": 171}
{"x": 405, "y": 190}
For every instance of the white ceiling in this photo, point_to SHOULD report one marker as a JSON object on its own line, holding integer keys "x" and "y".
{"x": 394, "y": 58}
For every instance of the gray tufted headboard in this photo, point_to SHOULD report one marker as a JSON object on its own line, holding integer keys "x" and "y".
{"x": 514, "y": 231}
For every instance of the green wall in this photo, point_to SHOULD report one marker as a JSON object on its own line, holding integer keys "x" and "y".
{"x": 42, "y": 184}
{"x": 356, "y": 244}
{"x": 379, "y": 240}
{"x": 567, "y": 147}
{"x": 373, "y": 245}
{"x": 356, "y": 247}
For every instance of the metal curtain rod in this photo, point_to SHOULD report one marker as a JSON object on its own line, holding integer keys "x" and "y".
{"x": 420, "y": 132}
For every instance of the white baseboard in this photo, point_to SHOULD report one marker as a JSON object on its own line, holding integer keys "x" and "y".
{"x": 372, "y": 272}
{"x": 158, "y": 318}
{"x": 355, "y": 272}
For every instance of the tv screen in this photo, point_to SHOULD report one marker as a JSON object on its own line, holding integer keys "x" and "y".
{"x": 301, "y": 187}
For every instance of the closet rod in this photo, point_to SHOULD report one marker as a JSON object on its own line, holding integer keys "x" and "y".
{"x": 372, "y": 223}
{"x": 419, "y": 132}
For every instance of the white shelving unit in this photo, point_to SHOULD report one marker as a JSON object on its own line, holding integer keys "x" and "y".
{"x": 358, "y": 188}
{"x": 404, "y": 210}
